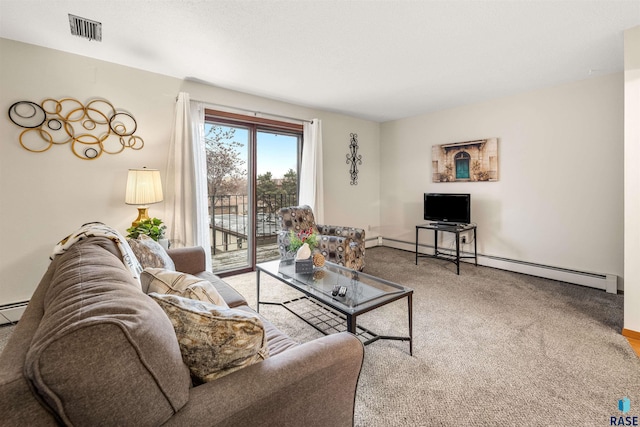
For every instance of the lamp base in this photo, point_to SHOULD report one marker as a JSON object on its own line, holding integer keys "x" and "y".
{"x": 143, "y": 213}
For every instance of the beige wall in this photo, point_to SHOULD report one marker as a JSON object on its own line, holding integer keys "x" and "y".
{"x": 345, "y": 204}
{"x": 559, "y": 199}
{"x": 632, "y": 179}
{"x": 45, "y": 196}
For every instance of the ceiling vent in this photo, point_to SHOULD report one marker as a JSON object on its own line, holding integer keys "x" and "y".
{"x": 85, "y": 28}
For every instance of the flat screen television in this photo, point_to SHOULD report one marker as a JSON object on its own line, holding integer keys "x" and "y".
{"x": 447, "y": 208}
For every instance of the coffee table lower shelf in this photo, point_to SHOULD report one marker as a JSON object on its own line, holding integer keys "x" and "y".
{"x": 329, "y": 321}
{"x": 319, "y": 307}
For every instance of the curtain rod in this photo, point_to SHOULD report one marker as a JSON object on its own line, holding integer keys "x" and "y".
{"x": 255, "y": 113}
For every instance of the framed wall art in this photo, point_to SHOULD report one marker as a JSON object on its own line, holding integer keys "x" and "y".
{"x": 466, "y": 161}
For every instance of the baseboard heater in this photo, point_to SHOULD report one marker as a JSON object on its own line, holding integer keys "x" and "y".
{"x": 372, "y": 242}
{"x": 606, "y": 282}
{"x": 11, "y": 313}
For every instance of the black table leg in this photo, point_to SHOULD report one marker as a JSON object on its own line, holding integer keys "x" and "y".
{"x": 351, "y": 324}
{"x": 475, "y": 246}
{"x": 410, "y": 303}
{"x": 417, "y": 245}
{"x": 435, "y": 246}
{"x": 458, "y": 251}
{"x": 258, "y": 291}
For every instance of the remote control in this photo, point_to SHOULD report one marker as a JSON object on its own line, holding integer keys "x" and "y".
{"x": 335, "y": 290}
{"x": 343, "y": 291}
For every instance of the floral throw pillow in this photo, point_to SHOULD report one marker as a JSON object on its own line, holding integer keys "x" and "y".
{"x": 150, "y": 253}
{"x": 214, "y": 341}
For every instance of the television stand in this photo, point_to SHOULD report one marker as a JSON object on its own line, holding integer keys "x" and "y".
{"x": 448, "y": 228}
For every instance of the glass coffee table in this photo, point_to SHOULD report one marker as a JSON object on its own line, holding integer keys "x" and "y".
{"x": 320, "y": 308}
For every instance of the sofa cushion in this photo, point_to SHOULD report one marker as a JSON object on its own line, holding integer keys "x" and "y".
{"x": 162, "y": 281}
{"x": 277, "y": 340}
{"x": 150, "y": 253}
{"x": 104, "y": 351}
{"x": 232, "y": 297}
{"x": 214, "y": 341}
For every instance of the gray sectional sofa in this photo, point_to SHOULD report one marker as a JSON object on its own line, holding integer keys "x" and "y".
{"x": 93, "y": 350}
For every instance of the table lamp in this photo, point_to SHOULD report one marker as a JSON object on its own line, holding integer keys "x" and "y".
{"x": 143, "y": 188}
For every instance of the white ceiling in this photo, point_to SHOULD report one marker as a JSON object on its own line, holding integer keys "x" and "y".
{"x": 379, "y": 60}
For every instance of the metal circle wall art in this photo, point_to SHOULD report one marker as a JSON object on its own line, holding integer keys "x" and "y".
{"x": 91, "y": 129}
{"x": 354, "y": 159}
{"x": 27, "y": 114}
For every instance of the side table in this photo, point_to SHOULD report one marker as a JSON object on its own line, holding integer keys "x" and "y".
{"x": 455, "y": 229}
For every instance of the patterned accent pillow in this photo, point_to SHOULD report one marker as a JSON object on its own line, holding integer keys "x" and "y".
{"x": 297, "y": 218}
{"x": 214, "y": 341}
{"x": 164, "y": 281}
{"x": 150, "y": 253}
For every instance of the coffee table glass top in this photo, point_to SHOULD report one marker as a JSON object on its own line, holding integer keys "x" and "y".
{"x": 363, "y": 290}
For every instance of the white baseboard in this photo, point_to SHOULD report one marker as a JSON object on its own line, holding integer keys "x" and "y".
{"x": 604, "y": 281}
{"x": 372, "y": 242}
{"x": 11, "y": 313}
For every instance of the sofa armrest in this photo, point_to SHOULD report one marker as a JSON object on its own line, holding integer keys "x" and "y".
{"x": 354, "y": 234}
{"x": 354, "y": 246}
{"x": 313, "y": 384}
{"x": 189, "y": 260}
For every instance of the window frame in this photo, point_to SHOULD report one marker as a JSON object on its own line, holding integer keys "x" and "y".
{"x": 255, "y": 124}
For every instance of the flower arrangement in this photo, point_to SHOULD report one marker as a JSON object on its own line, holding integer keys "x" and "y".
{"x": 296, "y": 240}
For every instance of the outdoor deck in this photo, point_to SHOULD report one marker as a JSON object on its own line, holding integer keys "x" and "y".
{"x": 230, "y": 260}
{"x": 230, "y": 225}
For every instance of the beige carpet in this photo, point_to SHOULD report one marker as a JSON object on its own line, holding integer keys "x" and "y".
{"x": 490, "y": 348}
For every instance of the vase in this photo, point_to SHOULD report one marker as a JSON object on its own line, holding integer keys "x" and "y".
{"x": 288, "y": 255}
{"x": 164, "y": 243}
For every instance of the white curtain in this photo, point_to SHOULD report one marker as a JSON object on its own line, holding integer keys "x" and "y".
{"x": 311, "y": 187}
{"x": 186, "y": 207}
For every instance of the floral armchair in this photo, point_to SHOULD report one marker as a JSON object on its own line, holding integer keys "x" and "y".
{"x": 340, "y": 245}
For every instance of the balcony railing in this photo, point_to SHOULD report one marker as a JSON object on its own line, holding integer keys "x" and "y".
{"x": 229, "y": 225}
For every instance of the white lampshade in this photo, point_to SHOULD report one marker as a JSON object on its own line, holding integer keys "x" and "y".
{"x": 143, "y": 187}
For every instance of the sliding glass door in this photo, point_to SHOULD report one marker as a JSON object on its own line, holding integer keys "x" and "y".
{"x": 228, "y": 155}
{"x": 252, "y": 172}
{"x": 276, "y": 186}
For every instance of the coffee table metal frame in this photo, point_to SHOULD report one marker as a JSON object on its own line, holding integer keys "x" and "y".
{"x": 329, "y": 305}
